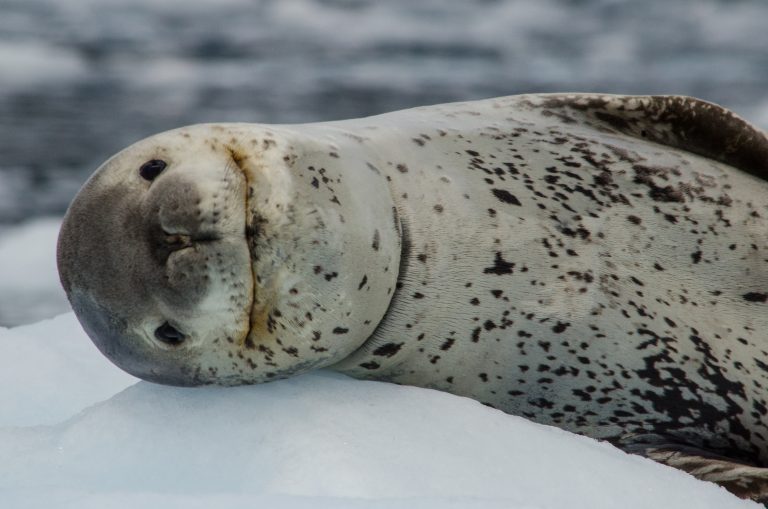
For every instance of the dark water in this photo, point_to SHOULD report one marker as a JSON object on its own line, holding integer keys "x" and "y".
{"x": 81, "y": 79}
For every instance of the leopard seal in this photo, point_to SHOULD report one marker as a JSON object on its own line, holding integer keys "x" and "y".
{"x": 592, "y": 262}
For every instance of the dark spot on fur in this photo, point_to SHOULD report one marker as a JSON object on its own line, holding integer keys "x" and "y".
{"x": 388, "y": 350}
{"x": 696, "y": 256}
{"x": 500, "y": 266}
{"x": 604, "y": 179}
{"x": 506, "y": 197}
{"x": 613, "y": 120}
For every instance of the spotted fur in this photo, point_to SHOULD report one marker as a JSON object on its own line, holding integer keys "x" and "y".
{"x": 596, "y": 263}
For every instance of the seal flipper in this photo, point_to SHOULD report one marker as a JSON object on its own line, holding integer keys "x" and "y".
{"x": 686, "y": 123}
{"x": 739, "y": 477}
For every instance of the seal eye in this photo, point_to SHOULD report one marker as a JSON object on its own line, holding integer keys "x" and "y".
{"x": 169, "y": 334}
{"x": 151, "y": 169}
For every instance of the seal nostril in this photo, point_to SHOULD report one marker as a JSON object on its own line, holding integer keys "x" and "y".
{"x": 152, "y": 168}
{"x": 168, "y": 334}
{"x": 177, "y": 241}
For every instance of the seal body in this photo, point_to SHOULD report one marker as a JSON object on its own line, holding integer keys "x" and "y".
{"x": 596, "y": 263}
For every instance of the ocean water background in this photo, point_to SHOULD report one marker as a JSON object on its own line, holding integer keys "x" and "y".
{"x": 81, "y": 79}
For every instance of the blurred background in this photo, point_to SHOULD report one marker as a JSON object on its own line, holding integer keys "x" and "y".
{"x": 81, "y": 79}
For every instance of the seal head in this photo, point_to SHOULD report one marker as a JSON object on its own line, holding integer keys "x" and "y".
{"x": 206, "y": 255}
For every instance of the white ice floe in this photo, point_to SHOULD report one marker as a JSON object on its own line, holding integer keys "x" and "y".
{"x": 78, "y": 433}
{"x": 29, "y": 283}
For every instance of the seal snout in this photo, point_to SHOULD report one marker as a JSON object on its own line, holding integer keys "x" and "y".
{"x": 154, "y": 257}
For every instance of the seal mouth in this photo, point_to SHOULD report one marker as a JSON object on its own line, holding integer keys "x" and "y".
{"x": 249, "y": 232}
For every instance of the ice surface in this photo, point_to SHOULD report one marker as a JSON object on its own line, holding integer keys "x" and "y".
{"x": 29, "y": 283}
{"x": 78, "y": 433}
{"x": 50, "y": 371}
